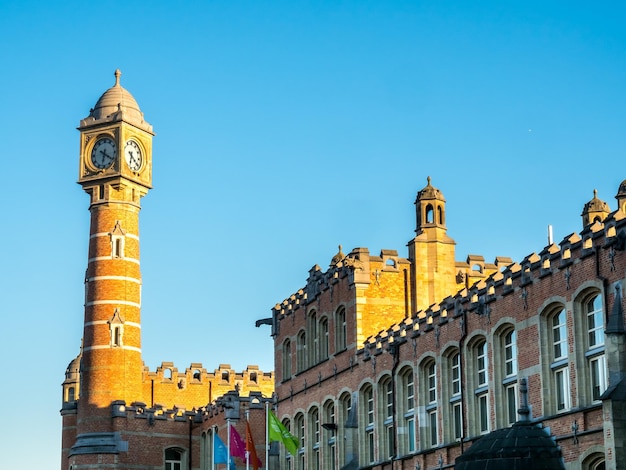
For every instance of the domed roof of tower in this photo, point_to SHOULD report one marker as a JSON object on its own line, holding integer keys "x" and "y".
{"x": 116, "y": 99}
{"x": 621, "y": 192}
{"x": 430, "y": 192}
{"x": 73, "y": 368}
{"x": 116, "y": 104}
{"x": 337, "y": 258}
{"x": 596, "y": 204}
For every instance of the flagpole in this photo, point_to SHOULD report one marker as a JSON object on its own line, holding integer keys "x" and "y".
{"x": 213, "y": 448}
{"x": 228, "y": 457}
{"x": 267, "y": 442}
{"x": 247, "y": 451}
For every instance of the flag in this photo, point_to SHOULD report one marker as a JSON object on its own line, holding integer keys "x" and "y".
{"x": 220, "y": 453}
{"x": 237, "y": 446}
{"x": 278, "y": 432}
{"x": 253, "y": 458}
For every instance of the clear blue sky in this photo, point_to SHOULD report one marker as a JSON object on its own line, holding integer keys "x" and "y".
{"x": 283, "y": 130}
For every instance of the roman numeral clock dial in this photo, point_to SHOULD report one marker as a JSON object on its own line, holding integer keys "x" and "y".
{"x": 132, "y": 155}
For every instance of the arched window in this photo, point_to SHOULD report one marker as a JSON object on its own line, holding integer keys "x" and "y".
{"x": 478, "y": 379}
{"x": 331, "y": 427}
{"x": 323, "y": 343}
{"x": 340, "y": 330}
{"x": 347, "y": 417}
{"x": 314, "y": 438}
{"x": 386, "y": 407}
{"x": 594, "y": 321}
{"x": 506, "y": 375}
{"x": 301, "y": 352}
{"x": 173, "y": 459}
{"x": 557, "y": 364}
{"x": 287, "y": 360}
{"x": 430, "y": 214}
{"x": 455, "y": 431}
{"x": 368, "y": 423}
{"x": 406, "y": 410}
{"x": 429, "y": 437}
{"x": 314, "y": 337}
{"x": 300, "y": 434}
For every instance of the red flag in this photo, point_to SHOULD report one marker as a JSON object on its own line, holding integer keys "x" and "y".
{"x": 237, "y": 446}
{"x": 254, "y": 459}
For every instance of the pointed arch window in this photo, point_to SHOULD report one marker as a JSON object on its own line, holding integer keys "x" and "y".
{"x": 340, "y": 330}
{"x": 406, "y": 412}
{"x": 116, "y": 328}
{"x": 118, "y": 236}
{"x": 323, "y": 344}
{"x": 286, "y": 360}
{"x": 301, "y": 352}
{"x": 594, "y": 315}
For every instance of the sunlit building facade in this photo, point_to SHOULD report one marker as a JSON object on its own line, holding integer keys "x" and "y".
{"x": 385, "y": 361}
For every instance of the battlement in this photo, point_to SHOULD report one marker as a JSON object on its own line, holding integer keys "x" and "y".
{"x": 196, "y": 373}
{"x": 602, "y": 240}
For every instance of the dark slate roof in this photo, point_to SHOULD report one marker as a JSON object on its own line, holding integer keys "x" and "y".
{"x": 520, "y": 447}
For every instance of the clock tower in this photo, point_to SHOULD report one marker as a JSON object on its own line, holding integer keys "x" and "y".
{"x": 115, "y": 169}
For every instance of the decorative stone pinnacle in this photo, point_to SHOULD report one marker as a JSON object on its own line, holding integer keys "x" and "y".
{"x": 118, "y": 74}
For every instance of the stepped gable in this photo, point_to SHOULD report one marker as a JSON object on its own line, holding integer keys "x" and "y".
{"x": 356, "y": 266}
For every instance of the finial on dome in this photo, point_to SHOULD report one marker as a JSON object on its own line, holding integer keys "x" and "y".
{"x": 428, "y": 180}
{"x": 337, "y": 258}
{"x": 595, "y": 193}
{"x": 118, "y": 74}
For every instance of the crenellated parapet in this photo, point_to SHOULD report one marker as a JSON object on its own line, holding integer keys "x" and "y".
{"x": 197, "y": 385}
{"x": 565, "y": 260}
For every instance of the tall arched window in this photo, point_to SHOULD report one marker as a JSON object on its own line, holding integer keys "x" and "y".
{"x": 368, "y": 423}
{"x": 323, "y": 331}
{"x": 314, "y": 338}
{"x": 340, "y": 329}
{"x": 454, "y": 390}
{"x": 478, "y": 381}
{"x": 594, "y": 316}
{"x": 287, "y": 360}
{"x": 386, "y": 408}
{"x": 509, "y": 375}
{"x": 301, "y": 352}
{"x": 330, "y": 425}
{"x": 300, "y": 434}
{"x": 406, "y": 410}
{"x": 430, "y": 435}
{"x": 315, "y": 439}
{"x": 556, "y": 366}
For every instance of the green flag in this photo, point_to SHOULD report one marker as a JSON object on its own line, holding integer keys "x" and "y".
{"x": 278, "y": 432}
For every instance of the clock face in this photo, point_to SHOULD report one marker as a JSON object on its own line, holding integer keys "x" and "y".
{"x": 103, "y": 153}
{"x": 132, "y": 154}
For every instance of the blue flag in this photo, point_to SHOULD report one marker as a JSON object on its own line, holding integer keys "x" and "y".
{"x": 220, "y": 453}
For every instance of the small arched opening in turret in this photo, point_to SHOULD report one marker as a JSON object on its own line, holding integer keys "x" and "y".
{"x": 430, "y": 214}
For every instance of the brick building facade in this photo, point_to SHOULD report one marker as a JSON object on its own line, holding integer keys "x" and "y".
{"x": 386, "y": 362}
{"x": 381, "y": 361}
{"x": 116, "y": 413}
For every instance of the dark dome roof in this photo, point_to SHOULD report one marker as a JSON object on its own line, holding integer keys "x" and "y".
{"x": 520, "y": 447}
